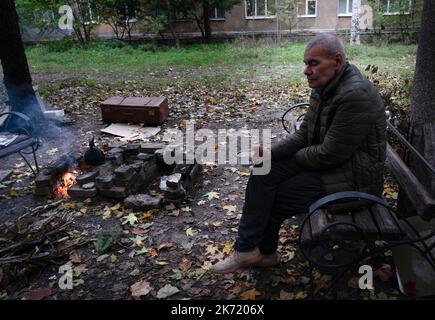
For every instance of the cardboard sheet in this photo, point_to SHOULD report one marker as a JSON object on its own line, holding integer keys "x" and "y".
{"x": 130, "y": 131}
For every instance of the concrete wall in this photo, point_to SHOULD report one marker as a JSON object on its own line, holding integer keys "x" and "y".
{"x": 327, "y": 19}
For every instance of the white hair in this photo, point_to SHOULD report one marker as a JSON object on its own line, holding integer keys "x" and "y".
{"x": 331, "y": 43}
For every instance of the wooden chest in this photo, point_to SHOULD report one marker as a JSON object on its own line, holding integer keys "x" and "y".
{"x": 146, "y": 110}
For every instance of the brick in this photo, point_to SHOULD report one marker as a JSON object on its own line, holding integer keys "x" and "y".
{"x": 77, "y": 192}
{"x": 151, "y": 147}
{"x": 114, "y": 192}
{"x": 137, "y": 165}
{"x": 87, "y": 177}
{"x": 89, "y": 185}
{"x": 174, "y": 181}
{"x": 177, "y": 194}
{"x": 104, "y": 182}
{"x": 123, "y": 175}
{"x": 144, "y": 156}
{"x": 132, "y": 149}
{"x": 42, "y": 191}
{"x": 43, "y": 180}
{"x": 142, "y": 202}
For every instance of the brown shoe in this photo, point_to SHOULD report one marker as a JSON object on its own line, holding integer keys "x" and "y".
{"x": 237, "y": 260}
{"x": 268, "y": 260}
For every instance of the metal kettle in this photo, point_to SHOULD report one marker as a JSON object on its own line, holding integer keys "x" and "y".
{"x": 94, "y": 156}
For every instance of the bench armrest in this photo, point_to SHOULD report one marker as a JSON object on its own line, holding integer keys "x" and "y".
{"x": 22, "y": 116}
{"x": 346, "y": 195}
{"x": 298, "y": 105}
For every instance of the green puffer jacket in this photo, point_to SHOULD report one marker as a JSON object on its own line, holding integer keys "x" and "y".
{"x": 349, "y": 150}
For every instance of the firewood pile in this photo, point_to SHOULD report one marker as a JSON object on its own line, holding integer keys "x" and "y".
{"x": 36, "y": 239}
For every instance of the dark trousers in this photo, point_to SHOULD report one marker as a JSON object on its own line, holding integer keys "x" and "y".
{"x": 286, "y": 190}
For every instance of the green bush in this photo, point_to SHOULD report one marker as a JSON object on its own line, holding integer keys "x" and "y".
{"x": 61, "y": 45}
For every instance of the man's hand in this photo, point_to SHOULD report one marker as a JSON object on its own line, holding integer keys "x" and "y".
{"x": 260, "y": 154}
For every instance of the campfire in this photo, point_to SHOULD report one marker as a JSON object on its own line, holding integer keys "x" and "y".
{"x": 66, "y": 181}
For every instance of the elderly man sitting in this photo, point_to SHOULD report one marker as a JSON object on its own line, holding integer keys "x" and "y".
{"x": 340, "y": 146}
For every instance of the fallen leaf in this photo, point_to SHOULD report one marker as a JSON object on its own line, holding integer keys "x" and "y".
{"x": 38, "y": 294}
{"x": 300, "y": 295}
{"x": 130, "y": 219}
{"x": 212, "y": 195}
{"x": 140, "y": 288}
{"x": 217, "y": 224}
{"x": 52, "y": 151}
{"x": 230, "y": 208}
{"x": 284, "y": 295}
{"x": 190, "y": 232}
{"x": 185, "y": 265}
{"x": 250, "y": 294}
{"x": 228, "y": 247}
{"x": 167, "y": 291}
{"x": 353, "y": 282}
{"x": 78, "y": 270}
{"x": 165, "y": 245}
{"x": 75, "y": 258}
{"x": 384, "y": 272}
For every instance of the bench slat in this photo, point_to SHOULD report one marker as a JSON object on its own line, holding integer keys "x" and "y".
{"x": 364, "y": 220}
{"x": 387, "y": 226}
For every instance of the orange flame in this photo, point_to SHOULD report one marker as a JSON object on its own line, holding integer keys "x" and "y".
{"x": 67, "y": 180}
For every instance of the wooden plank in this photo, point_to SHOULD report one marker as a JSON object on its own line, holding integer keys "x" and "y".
{"x": 345, "y": 231}
{"x": 420, "y": 198}
{"x": 387, "y": 225}
{"x": 318, "y": 222}
{"x": 364, "y": 220}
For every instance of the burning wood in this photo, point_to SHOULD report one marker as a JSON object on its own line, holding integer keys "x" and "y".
{"x": 67, "y": 180}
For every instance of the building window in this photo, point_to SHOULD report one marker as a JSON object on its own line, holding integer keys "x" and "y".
{"x": 345, "y": 7}
{"x": 307, "y": 8}
{"x": 217, "y": 14}
{"x": 393, "y": 7}
{"x": 260, "y": 9}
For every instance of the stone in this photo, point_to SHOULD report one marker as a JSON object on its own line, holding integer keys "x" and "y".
{"x": 43, "y": 180}
{"x": 177, "y": 194}
{"x": 144, "y": 156}
{"x": 87, "y": 177}
{"x": 104, "y": 182}
{"x": 123, "y": 174}
{"x": 151, "y": 147}
{"x": 5, "y": 174}
{"x": 151, "y": 170}
{"x": 42, "y": 191}
{"x": 89, "y": 185}
{"x": 78, "y": 192}
{"x": 115, "y": 158}
{"x": 184, "y": 169}
{"x": 142, "y": 202}
{"x": 132, "y": 149}
{"x": 137, "y": 165}
{"x": 114, "y": 192}
{"x": 173, "y": 181}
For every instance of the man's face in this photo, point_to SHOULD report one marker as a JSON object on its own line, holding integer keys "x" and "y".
{"x": 319, "y": 68}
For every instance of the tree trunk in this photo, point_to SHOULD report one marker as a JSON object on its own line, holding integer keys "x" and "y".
{"x": 206, "y": 17}
{"x": 17, "y": 78}
{"x": 355, "y": 28}
{"x": 171, "y": 24}
{"x": 422, "y": 115}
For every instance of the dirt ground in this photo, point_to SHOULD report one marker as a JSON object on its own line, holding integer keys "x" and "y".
{"x": 165, "y": 254}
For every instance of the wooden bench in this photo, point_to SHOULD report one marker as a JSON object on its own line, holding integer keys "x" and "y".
{"x": 23, "y": 140}
{"x": 338, "y": 237}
